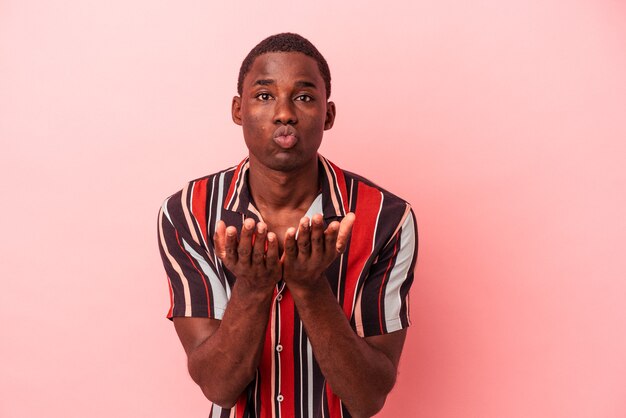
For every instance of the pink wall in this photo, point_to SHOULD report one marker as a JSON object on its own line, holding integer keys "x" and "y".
{"x": 503, "y": 122}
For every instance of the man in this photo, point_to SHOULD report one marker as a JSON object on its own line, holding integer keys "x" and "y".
{"x": 289, "y": 277}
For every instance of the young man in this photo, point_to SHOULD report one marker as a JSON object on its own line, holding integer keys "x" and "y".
{"x": 289, "y": 277}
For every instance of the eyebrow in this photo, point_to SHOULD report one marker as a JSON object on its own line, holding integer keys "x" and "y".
{"x": 306, "y": 84}
{"x": 264, "y": 82}
{"x": 269, "y": 81}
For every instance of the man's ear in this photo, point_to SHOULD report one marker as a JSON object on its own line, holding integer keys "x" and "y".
{"x": 331, "y": 111}
{"x": 236, "y": 110}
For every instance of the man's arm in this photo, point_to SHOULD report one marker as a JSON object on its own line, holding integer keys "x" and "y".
{"x": 223, "y": 356}
{"x": 360, "y": 371}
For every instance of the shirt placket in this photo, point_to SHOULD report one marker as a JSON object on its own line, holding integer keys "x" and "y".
{"x": 278, "y": 346}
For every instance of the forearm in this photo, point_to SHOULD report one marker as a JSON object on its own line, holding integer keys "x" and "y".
{"x": 360, "y": 374}
{"x": 225, "y": 363}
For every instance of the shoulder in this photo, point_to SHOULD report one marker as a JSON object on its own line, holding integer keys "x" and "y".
{"x": 375, "y": 207}
{"x": 191, "y": 207}
{"x": 212, "y": 186}
{"x": 365, "y": 184}
{"x": 365, "y": 194}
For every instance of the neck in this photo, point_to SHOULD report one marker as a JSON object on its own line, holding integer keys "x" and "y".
{"x": 280, "y": 190}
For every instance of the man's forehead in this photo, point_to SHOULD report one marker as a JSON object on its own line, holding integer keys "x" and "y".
{"x": 272, "y": 65}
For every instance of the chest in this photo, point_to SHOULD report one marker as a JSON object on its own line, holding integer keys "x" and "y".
{"x": 280, "y": 226}
{"x": 280, "y": 221}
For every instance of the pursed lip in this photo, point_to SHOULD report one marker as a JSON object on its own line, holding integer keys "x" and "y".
{"x": 285, "y": 136}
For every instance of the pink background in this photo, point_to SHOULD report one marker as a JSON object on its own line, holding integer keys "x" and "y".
{"x": 502, "y": 122}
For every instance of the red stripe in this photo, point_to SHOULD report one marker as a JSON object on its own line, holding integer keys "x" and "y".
{"x": 287, "y": 358}
{"x": 199, "y": 205}
{"x": 334, "y": 404}
{"x": 233, "y": 183}
{"x": 240, "y": 407}
{"x": 367, "y": 207}
{"x": 341, "y": 183}
{"x": 382, "y": 286}
{"x": 206, "y": 288}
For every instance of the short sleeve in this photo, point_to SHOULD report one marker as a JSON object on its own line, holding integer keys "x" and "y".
{"x": 197, "y": 285}
{"x": 384, "y": 299}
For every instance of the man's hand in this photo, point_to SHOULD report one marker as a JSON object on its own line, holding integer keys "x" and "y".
{"x": 363, "y": 390}
{"x": 223, "y": 356}
{"x": 253, "y": 258}
{"x": 305, "y": 259}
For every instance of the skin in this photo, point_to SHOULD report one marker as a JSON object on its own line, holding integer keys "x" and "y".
{"x": 286, "y": 89}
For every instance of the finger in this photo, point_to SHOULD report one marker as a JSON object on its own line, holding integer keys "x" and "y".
{"x": 330, "y": 240}
{"x": 317, "y": 235}
{"x": 245, "y": 241}
{"x": 291, "y": 249}
{"x": 271, "y": 256}
{"x": 304, "y": 238}
{"x": 345, "y": 229}
{"x": 230, "y": 247}
{"x": 258, "y": 248}
{"x": 219, "y": 239}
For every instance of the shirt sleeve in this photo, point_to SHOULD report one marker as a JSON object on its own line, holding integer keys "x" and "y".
{"x": 384, "y": 299}
{"x": 196, "y": 281}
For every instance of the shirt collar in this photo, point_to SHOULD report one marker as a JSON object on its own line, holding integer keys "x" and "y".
{"x": 333, "y": 189}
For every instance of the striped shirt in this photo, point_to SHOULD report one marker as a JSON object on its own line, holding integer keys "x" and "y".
{"x": 371, "y": 279}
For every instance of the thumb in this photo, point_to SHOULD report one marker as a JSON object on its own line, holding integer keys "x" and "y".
{"x": 345, "y": 230}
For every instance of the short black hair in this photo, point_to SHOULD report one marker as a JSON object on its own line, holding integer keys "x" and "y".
{"x": 285, "y": 42}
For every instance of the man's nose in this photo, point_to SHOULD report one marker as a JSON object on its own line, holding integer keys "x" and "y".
{"x": 285, "y": 112}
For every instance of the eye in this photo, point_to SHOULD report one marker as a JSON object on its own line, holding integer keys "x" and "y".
{"x": 304, "y": 98}
{"x": 263, "y": 96}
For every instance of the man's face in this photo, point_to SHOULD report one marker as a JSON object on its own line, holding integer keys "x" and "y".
{"x": 283, "y": 110}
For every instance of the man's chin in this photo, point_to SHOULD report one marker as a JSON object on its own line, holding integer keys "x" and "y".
{"x": 286, "y": 162}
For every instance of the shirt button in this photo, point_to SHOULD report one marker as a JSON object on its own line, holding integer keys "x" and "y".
{"x": 279, "y": 298}
{"x": 280, "y": 398}
{"x": 279, "y": 348}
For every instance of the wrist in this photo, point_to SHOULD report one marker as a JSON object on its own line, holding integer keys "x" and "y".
{"x": 254, "y": 292}
{"x": 310, "y": 289}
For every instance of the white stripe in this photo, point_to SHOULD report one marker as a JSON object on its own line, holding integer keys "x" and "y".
{"x": 301, "y": 373}
{"x": 173, "y": 261}
{"x": 220, "y": 300}
{"x": 309, "y": 362}
{"x": 256, "y": 389}
{"x": 341, "y": 258}
{"x": 218, "y": 217}
{"x": 217, "y": 411}
{"x": 339, "y": 280}
{"x": 208, "y": 220}
{"x": 316, "y": 207}
{"x": 380, "y": 209}
{"x": 358, "y": 315}
{"x": 234, "y": 191}
{"x": 404, "y": 258}
{"x": 332, "y": 184}
{"x": 351, "y": 194}
{"x": 190, "y": 224}
{"x": 336, "y": 183}
{"x": 220, "y": 195}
